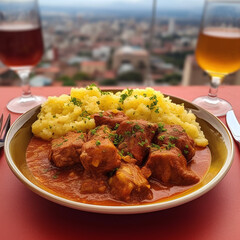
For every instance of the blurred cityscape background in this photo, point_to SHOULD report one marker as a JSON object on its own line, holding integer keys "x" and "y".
{"x": 118, "y": 42}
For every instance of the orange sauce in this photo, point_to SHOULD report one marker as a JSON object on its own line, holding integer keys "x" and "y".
{"x": 66, "y": 182}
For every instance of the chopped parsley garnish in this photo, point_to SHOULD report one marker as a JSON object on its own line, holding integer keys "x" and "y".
{"x": 175, "y": 130}
{"x": 80, "y": 137}
{"x": 161, "y": 127}
{"x": 129, "y": 154}
{"x": 56, "y": 175}
{"x": 121, "y": 153}
{"x": 125, "y": 95}
{"x": 85, "y": 114}
{"x": 161, "y": 138}
{"x": 60, "y": 144}
{"x": 90, "y": 87}
{"x": 185, "y": 152}
{"x": 142, "y": 143}
{"x": 169, "y": 146}
{"x": 154, "y": 103}
{"x": 138, "y": 128}
{"x": 127, "y": 133}
{"x": 94, "y": 131}
{"x": 172, "y": 138}
{"x": 76, "y": 101}
{"x": 105, "y": 129}
{"x": 98, "y": 143}
{"x": 105, "y": 93}
{"x": 116, "y": 126}
{"x": 116, "y": 138}
{"x": 155, "y": 146}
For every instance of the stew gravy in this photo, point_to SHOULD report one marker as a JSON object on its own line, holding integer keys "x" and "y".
{"x": 66, "y": 182}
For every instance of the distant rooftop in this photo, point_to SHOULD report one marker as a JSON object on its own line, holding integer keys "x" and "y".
{"x": 131, "y": 50}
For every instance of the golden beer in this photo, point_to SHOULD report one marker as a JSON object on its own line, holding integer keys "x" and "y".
{"x": 218, "y": 51}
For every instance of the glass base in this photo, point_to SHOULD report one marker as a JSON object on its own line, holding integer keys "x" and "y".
{"x": 23, "y": 104}
{"x": 216, "y": 106}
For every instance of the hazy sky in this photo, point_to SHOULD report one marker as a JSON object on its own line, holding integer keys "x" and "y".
{"x": 170, "y": 4}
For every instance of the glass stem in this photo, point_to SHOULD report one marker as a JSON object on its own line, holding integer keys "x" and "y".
{"x": 24, "y": 75}
{"x": 213, "y": 90}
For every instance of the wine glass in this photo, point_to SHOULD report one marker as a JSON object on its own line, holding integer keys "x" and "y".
{"x": 218, "y": 49}
{"x": 21, "y": 46}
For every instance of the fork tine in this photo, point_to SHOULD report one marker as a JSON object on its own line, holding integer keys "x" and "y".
{"x": 5, "y": 128}
{"x": 1, "y": 120}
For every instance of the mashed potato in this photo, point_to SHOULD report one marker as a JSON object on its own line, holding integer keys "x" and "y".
{"x": 73, "y": 113}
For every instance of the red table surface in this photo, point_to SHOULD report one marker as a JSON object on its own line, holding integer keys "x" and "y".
{"x": 215, "y": 215}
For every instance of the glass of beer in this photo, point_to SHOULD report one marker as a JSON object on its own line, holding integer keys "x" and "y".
{"x": 218, "y": 49}
{"x": 21, "y": 46}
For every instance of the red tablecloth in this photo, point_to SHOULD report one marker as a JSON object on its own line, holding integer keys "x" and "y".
{"x": 214, "y": 216}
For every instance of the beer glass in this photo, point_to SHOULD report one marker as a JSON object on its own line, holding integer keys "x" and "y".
{"x": 21, "y": 46}
{"x": 218, "y": 49}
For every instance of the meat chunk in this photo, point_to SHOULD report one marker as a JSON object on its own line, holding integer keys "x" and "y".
{"x": 175, "y": 134}
{"x": 100, "y": 156}
{"x": 65, "y": 151}
{"x": 129, "y": 184}
{"x": 100, "y": 132}
{"x": 136, "y": 138}
{"x": 169, "y": 167}
{"x": 110, "y": 118}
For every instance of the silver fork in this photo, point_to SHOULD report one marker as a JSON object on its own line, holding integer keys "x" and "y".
{"x": 4, "y": 129}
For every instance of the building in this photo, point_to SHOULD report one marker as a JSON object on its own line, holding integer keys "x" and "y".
{"x": 93, "y": 68}
{"x": 136, "y": 57}
{"x": 171, "y": 26}
{"x": 102, "y": 53}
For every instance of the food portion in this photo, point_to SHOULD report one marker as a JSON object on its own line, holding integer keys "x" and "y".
{"x": 129, "y": 184}
{"x": 174, "y": 134}
{"x": 66, "y": 149}
{"x": 60, "y": 115}
{"x": 136, "y": 138}
{"x": 169, "y": 166}
{"x": 112, "y": 149}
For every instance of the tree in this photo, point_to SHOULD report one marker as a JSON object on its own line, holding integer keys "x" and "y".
{"x": 176, "y": 58}
{"x": 171, "y": 79}
{"x": 67, "y": 81}
{"x": 131, "y": 76}
{"x": 79, "y": 76}
{"x": 108, "y": 82}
